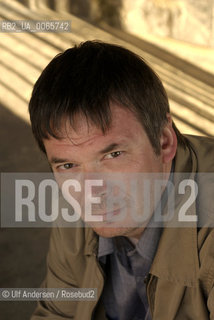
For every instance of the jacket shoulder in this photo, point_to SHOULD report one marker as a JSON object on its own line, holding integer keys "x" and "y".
{"x": 203, "y": 148}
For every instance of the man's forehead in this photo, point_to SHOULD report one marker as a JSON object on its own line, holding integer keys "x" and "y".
{"x": 82, "y": 132}
{"x": 96, "y": 137}
{"x": 81, "y": 135}
{"x": 123, "y": 122}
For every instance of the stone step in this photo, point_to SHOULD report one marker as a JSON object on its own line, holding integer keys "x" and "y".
{"x": 24, "y": 55}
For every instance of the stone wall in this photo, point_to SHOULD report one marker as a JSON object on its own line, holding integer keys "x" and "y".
{"x": 187, "y": 20}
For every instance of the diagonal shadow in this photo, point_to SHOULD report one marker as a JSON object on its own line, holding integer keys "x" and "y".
{"x": 34, "y": 35}
{"x": 17, "y": 94}
{"x": 23, "y": 251}
{"x": 29, "y": 45}
{"x": 18, "y": 56}
{"x": 191, "y": 125}
{"x": 20, "y": 75}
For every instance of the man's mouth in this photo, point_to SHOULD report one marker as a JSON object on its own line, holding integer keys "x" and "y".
{"x": 109, "y": 216}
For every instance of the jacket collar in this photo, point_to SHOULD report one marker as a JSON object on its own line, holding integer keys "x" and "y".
{"x": 91, "y": 242}
{"x": 177, "y": 258}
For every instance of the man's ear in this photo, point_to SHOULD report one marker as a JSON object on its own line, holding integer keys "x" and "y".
{"x": 168, "y": 141}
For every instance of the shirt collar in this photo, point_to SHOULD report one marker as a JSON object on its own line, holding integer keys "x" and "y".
{"x": 105, "y": 246}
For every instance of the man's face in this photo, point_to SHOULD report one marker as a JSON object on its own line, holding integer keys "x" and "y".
{"x": 124, "y": 148}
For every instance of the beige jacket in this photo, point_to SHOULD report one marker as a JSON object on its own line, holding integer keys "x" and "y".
{"x": 181, "y": 281}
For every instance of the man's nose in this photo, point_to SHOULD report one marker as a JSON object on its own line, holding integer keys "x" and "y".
{"x": 92, "y": 167}
{"x": 94, "y": 171}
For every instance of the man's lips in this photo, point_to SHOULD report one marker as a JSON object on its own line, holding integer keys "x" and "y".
{"x": 109, "y": 215}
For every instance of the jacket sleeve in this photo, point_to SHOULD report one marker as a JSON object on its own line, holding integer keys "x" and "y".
{"x": 210, "y": 303}
{"x": 207, "y": 268}
{"x": 58, "y": 276}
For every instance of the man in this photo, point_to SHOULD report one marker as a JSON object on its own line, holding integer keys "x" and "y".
{"x": 100, "y": 109}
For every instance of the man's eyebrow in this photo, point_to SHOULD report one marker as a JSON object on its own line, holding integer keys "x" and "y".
{"x": 110, "y": 147}
{"x": 55, "y": 160}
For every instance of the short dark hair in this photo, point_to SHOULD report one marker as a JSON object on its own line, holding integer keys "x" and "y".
{"x": 86, "y": 79}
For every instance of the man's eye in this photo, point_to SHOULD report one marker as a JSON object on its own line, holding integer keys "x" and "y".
{"x": 66, "y": 166}
{"x": 114, "y": 154}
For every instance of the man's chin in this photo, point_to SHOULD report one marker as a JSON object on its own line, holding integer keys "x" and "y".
{"x": 109, "y": 232}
